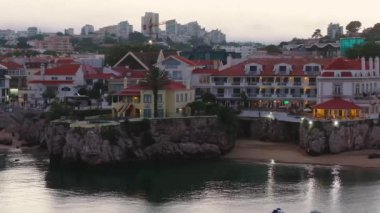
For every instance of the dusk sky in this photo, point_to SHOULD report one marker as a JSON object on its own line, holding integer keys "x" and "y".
{"x": 242, "y": 20}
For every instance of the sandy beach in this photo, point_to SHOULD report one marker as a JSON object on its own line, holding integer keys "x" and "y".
{"x": 251, "y": 150}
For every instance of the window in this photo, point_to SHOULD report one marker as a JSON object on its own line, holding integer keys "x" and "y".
{"x": 337, "y": 89}
{"x": 282, "y": 68}
{"x": 177, "y": 97}
{"x": 185, "y": 97}
{"x": 253, "y": 68}
{"x": 203, "y": 79}
{"x": 177, "y": 75}
{"x": 147, "y": 98}
{"x": 65, "y": 89}
{"x": 69, "y": 78}
{"x": 147, "y": 113}
{"x": 181, "y": 97}
{"x": 54, "y": 78}
{"x": 357, "y": 89}
{"x": 159, "y": 98}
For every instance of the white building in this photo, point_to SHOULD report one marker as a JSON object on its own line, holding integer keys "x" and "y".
{"x": 64, "y": 80}
{"x": 124, "y": 29}
{"x": 32, "y": 31}
{"x": 87, "y": 29}
{"x": 69, "y": 31}
{"x": 334, "y": 31}
{"x": 150, "y": 24}
{"x": 4, "y": 85}
{"x": 356, "y": 81}
{"x": 171, "y": 27}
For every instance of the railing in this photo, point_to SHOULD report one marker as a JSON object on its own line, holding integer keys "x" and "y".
{"x": 267, "y": 83}
{"x": 220, "y": 95}
{"x": 235, "y": 95}
{"x": 252, "y": 94}
{"x": 252, "y": 83}
{"x": 219, "y": 82}
{"x": 312, "y": 83}
{"x": 281, "y": 95}
{"x": 296, "y": 95}
{"x": 282, "y": 83}
{"x": 297, "y": 83}
{"x": 235, "y": 83}
{"x": 267, "y": 94}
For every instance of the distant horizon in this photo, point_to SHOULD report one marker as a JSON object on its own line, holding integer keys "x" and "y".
{"x": 241, "y": 20}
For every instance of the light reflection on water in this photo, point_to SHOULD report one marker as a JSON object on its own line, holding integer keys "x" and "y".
{"x": 224, "y": 186}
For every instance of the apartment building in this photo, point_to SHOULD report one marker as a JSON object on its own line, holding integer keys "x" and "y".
{"x": 276, "y": 83}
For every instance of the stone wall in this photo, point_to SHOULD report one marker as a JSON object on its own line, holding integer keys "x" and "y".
{"x": 265, "y": 129}
{"x": 324, "y": 137}
{"x": 167, "y": 139}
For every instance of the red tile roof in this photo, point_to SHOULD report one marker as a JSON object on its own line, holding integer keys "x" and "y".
{"x": 327, "y": 74}
{"x": 204, "y": 62}
{"x": 345, "y": 64}
{"x": 205, "y": 71}
{"x": 10, "y": 65}
{"x": 103, "y": 76}
{"x": 269, "y": 64}
{"x": 64, "y": 61}
{"x": 50, "y": 82}
{"x": 185, "y": 60}
{"x": 67, "y": 69}
{"x": 172, "y": 85}
{"x": 336, "y": 103}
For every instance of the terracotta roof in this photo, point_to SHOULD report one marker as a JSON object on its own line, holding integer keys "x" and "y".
{"x": 11, "y": 65}
{"x": 205, "y": 71}
{"x": 345, "y": 64}
{"x": 67, "y": 69}
{"x": 346, "y": 74}
{"x": 99, "y": 76}
{"x": 269, "y": 64}
{"x": 327, "y": 74}
{"x": 133, "y": 89}
{"x": 50, "y": 82}
{"x": 88, "y": 69}
{"x": 204, "y": 62}
{"x": 185, "y": 60}
{"x": 336, "y": 103}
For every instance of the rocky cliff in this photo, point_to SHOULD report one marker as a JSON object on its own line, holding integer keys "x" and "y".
{"x": 161, "y": 139}
{"x": 325, "y": 137}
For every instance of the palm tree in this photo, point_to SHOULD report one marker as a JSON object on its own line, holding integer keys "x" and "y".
{"x": 317, "y": 34}
{"x": 155, "y": 79}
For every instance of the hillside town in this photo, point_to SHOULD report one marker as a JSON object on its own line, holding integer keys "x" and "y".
{"x": 304, "y": 77}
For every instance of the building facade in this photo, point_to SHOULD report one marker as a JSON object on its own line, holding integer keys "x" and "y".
{"x": 273, "y": 83}
{"x": 87, "y": 29}
{"x": 356, "y": 81}
{"x": 150, "y": 24}
{"x": 334, "y": 31}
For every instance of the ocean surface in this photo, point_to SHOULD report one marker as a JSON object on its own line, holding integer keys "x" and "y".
{"x": 28, "y": 185}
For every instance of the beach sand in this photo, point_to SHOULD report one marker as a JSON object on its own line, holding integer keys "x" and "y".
{"x": 251, "y": 150}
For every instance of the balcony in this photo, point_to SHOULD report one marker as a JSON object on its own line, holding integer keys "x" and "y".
{"x": 219, "y": 83}
{"x": 267, "y": 95}
{"x": 312, "y": 83}
{"x": 252, "y": 94}
{"x": 267, "y": 83}
{"x": 235, "y": 83}
{"x": 282, "y": 83}
{"x": 220, "y": 95}
{"x": 236, "y": 95}
{"x": 297, "y": 83}
{"x": 297, "y": 95}
{"x": 252, "y": 83}
{"x": 282, "y": 95}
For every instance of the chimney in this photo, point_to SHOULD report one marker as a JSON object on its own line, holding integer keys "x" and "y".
{"x": 363, "y": 63}
{"x": 371, "y": 68}
{"x": 377, "y": 65}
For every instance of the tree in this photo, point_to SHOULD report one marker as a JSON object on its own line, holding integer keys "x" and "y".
{"x": 49, "y": 94}
{"x": 137, "y": 38}
{"x": 370, "y": 49}
{"x": 156, "y": 79}
{"x": 244, "y": 98}
{"x": 353, "y": 27}
{"x": 273, "y": 49}
{"x": 317, "y": 34}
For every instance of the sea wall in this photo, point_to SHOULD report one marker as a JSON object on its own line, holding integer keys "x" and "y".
{"x": 265, "y": 129}
{"x": 325, "y": 137}
{"x": 154, "y": 140}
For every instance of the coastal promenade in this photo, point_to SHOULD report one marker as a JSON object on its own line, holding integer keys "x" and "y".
{"x": 252, "y": 150}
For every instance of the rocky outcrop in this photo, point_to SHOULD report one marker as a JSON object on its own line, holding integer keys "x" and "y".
{"x": 167, "y": 139}
{"x": 265, "y": 129}
{"x": 324, "y": 137}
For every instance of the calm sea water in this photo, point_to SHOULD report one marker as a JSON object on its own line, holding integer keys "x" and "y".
{"x": 28, "y": 185}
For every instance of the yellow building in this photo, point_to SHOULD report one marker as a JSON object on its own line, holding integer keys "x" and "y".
{"x": 136, "y": 101}
{"x": 337, "y": 108}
